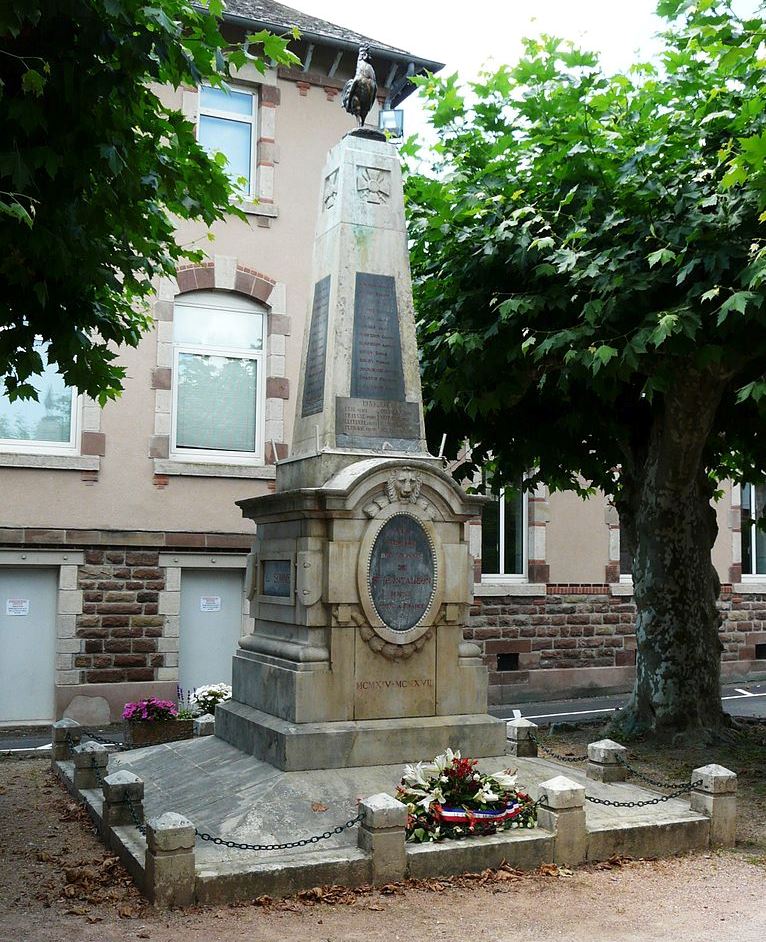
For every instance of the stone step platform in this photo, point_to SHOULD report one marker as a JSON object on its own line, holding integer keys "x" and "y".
{"x": 234, "y": 796}
{"x": 223, "y": 792}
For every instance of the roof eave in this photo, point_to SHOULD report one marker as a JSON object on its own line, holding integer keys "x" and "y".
{"x": 421, "y": 65}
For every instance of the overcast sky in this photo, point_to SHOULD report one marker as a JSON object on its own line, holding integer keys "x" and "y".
{"x": 469, "y": 34}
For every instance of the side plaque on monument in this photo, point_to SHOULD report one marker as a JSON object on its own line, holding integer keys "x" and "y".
{"x": 277, "y": 578}
{"x": 316, "y": 356}
{"x": 402, "y": 573}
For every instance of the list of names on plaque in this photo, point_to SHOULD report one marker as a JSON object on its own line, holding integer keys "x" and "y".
{"x": 376, "y": 363}
{"x": 402, "y": 572}
{"x": 359, "y": 419}
{"x": 276, "y": 578}
{"x": 316, "y": 355}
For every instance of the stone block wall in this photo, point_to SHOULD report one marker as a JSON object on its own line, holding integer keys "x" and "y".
{"x": 120, "y": 624}
{"x": 579, "y": 628}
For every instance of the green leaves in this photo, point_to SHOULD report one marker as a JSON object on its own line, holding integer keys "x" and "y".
{"x": 661, "y": 257}
{"x": 95, "y": 171}
{"x": 604, "y": 235}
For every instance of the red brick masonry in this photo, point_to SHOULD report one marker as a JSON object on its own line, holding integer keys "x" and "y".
{"x": 583, "y": 627}
{"x": 119, "y": 622}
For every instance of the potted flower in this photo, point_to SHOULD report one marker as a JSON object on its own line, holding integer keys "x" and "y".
{"x": 208, "y": 696}
{"x": 151, "y": 721}
{"x": 451, "y": 798}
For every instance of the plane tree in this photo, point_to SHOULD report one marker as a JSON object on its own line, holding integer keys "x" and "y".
{"x": 590, "y": 278}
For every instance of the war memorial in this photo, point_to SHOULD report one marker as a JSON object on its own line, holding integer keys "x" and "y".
{"x": 360, "y": 582}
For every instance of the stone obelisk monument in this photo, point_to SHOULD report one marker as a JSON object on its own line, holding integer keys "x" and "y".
{"x": 360, "y": 578}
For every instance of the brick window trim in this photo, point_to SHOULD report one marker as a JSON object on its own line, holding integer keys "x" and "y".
{"x": 225, "y": 274}
{"x": 268, "y": 96}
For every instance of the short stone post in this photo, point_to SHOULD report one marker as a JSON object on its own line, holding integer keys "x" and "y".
{"x": 604, "y": 761}
{"x": 59, "y": 744}
{"x": 204, "y": 725}
{"x": 90, "y": 760}
{"x": 716, "y": 797}
{"x": 169, "y": 864}
{"x": 562, "y": 810}
{"x": 121, "y": 789}
{"x": 382, "y": 835}
{"x": 522, "y": 737}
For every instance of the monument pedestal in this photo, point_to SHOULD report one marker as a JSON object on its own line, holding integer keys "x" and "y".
{"x": 360, "y": 579}
{"x": 303, "y": 746}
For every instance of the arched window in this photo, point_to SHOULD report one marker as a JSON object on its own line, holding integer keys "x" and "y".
{"x": 218, "y": 377}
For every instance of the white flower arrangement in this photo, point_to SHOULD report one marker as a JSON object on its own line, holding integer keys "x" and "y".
{"x": 205, "y": 698}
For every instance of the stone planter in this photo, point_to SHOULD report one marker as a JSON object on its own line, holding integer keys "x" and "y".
{"x": 152, "y": 732}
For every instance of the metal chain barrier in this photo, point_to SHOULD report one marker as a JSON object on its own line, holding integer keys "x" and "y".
{"x": 119, "y": 746}
{"x": 642, "y": 804}
{"x": 682, "y": 786}
{"x": 288, "y": 845}
{"x": 140, "y": 827}
{"x": 555, "y": 755}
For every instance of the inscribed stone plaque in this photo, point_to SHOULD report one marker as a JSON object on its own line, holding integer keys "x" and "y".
{"x": 376, "y": 361}
{"x": 316, "y": 355}
{"x": 402, "y": 572}
{"x": 357, "y": 420}
{"x": 276, "y": 578}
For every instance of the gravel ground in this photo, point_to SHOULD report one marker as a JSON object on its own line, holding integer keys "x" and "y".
{"x": 58, "y": 883}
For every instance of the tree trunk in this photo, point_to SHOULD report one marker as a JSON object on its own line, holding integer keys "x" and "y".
{"x": 671, "y": 527}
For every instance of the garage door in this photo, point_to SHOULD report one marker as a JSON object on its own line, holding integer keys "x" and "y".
{"x": 27, "y": 644}
{"x": 211, "y": 625}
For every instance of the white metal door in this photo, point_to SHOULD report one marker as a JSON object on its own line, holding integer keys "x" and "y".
{"x": 27, "y": 644}
{"x": 211, "y": 625}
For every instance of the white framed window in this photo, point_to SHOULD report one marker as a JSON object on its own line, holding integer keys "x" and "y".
{"x": 219, "y": 380}
{"x": 227, "y": 125}
{"x": 504, "y": 526}
{"x": 626, "y": 558}
{"x": 753, "y": 502}
{"x": 48, "y": 425}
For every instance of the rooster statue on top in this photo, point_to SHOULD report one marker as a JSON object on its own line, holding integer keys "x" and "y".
{"x": 359, "y": 92}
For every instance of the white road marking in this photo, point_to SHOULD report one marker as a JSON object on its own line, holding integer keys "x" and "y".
{"x": 517, "y": 714}
{"x": 544, "y": 716}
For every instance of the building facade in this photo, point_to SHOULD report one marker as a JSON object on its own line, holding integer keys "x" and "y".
{"x": 122, "y": 551}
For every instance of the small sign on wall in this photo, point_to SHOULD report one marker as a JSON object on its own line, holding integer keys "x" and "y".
{"x": 17, "y": 606}
{"x": 210, "y": 603}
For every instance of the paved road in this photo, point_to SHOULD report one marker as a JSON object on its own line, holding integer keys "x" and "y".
{"x": 748, "y": 700}
{"x": 740, "y": 700}
{"x": 41, "y": 737}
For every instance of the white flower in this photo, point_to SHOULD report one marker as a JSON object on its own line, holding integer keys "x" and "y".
{"x": 503, "y": 780}
{"x": 485, "y": 794}
{"x": 444, "y": 761}
{"x": 419, "y": 773}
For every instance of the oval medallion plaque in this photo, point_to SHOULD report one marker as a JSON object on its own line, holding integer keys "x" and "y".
{"x": 402, "y": 572}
